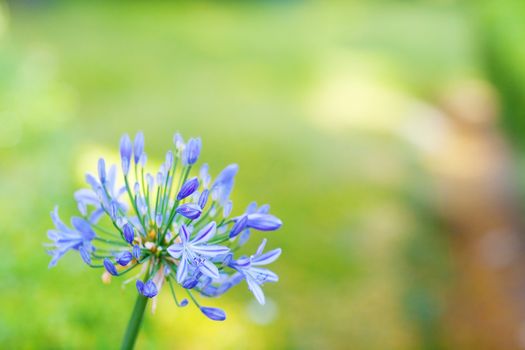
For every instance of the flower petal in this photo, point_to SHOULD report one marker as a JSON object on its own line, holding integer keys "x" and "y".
{"x": 110, "y": 267}
{"x": 192, "y": 151}
{"x": 266, "y": 258}
{"x": 206, "y": 233}
{"x": 256, "y": 290}
{"x": 129, "y": 234}
{"x": 138, "y": 146}
{"x": 124, "y": 258}
{"x": 213, "y": 313}
{"x": 175, "y": 250}
{"x": 239, "y": 226}
{"x": 58, "y": 223}
{"x": 263, "y": 275}
{"x": 189, "y": 210}
{"x": 188, "y": 188}
{"x": 182, "y": 270}
{"x": 209, "y": 269}
{"x": 260, "y": 249}
{"x": 150, "y": 289}
{"x": 210, "y": 250}
{"x": 84, "y": 253}
{"x": 184, "y": 234}
{"x": 140, "y": 286}
{"x": 264, "y": 222}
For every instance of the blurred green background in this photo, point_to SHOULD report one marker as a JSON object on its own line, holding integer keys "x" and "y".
{"x": 374, "y": 129}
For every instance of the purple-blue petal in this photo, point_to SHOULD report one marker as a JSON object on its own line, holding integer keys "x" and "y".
{"x": 129, "y": 233}
{"x": 110, "y": 267}
{"x": 213, "y": 313}
{"x": 125, "y": 147}
{"x": 83, "y": 227}
{"x": 264, "y": 209}
{"x": 203, "y": 198}
{"x": 227, "y": 209}
{"x": 150, "y": 289}
{"x": 158, "y": 220}
{"x": 84, "y": 254}
{"x": 188, "y": 188}
{"x": 205, "y": 233}
{"x": 190, "y": 283}
{"x": 223, "y": 184}
{"x": 102, "y": 170}
{"x": 192, "y": 151}
{"x": 184, "y": 233}
{"x": 138, "y": 146}
{"x": 140, "y": 286}
{"x": 266, "y": 258}
{"x": 136, "y": 252}
{"x": 189, "y": 210}
{"x": 263, "y": 222}
{"x": 239, "y": 226}
{"x": 169, "y": 159}
{"x": 124, "y": 258}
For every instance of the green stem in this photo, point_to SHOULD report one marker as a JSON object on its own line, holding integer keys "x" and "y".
{"x": 134, "y": 323}
{"x": 136, "y": 318}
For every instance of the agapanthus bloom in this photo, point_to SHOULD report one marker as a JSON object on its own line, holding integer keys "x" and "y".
{"x": 167, "y": 227}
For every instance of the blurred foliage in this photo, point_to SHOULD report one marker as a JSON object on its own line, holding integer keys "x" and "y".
{"x": 364, "y": 257}
{"x": 502, "y": 26}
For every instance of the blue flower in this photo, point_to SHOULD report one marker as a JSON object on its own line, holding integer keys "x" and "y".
{"x": 196, "y": 252}
{"x": 124, "y": 258}
{"x": 129, "y": 234}
{"x": 213, "y": 313}
{"x": 255, "y": 275}
{"x": 223, "y": 185}
{"x": 102, "y": 170}
{"x": 108, "y": 265}
{"x": 148, "y": 289}
{"x": 203, "y": 198}
{"x": 188, "y": 188}
{"x": 138, "y": 147}
{"x": 136, "y": 252}
{"x": 158, "y": 220}
{"x": 215, "y": 288}
{"x": 239, "y": 226}
{"x": 64, "y": 238}
{"x": 178, "y": 141}
{"x": 192, "y": 151}
{"x": 263, "y": 222}
{"x": 98, "y": 197}
{"x": 162, "y": 224}
{"x": 125, "y": 153}
{"x": 251, "y": 209}
{"x": 189, "y": 210}
{"x": 169, "y": 160}
{"x": 227, "y": 209}
{"x": 204, "y": 175}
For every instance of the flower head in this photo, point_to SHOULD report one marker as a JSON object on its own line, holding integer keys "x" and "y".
{"x": 167, "y": 223}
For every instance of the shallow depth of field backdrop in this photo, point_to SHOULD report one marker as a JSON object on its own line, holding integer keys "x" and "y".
{"x": 388, "y": 136}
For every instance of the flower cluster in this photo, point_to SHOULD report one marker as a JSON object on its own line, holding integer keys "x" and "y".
{"x": 177, "y": 228}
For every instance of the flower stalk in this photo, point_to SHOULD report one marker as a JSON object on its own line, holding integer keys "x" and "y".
{"x": 134, "y": 323}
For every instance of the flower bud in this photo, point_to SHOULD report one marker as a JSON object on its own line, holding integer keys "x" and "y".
{"x": 188, "y": 188}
